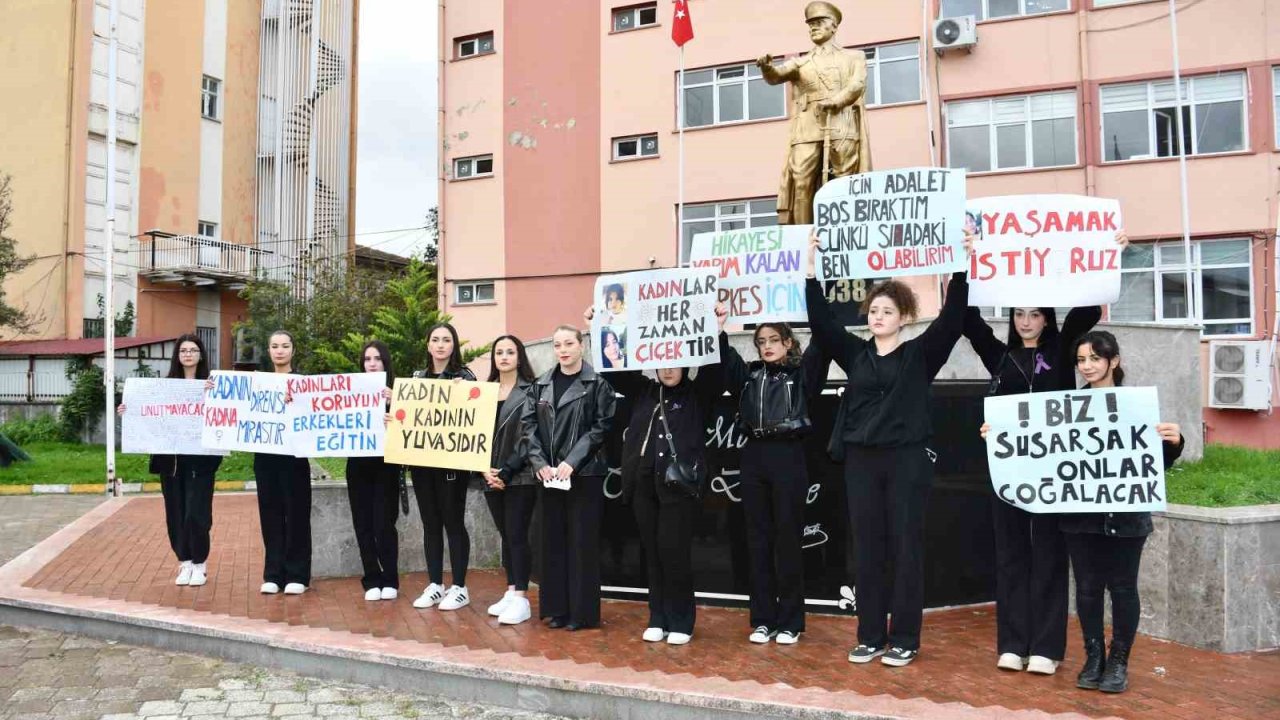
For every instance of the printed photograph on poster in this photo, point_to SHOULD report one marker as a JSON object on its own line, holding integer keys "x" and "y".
{"x": 761, "y": 271}
{"x": 246, "y": 411}
{"x": 163, "y": 417}
{"x": 442, "y": 423}
{"x": 891, "y": 223}
{"x": 1044, "y": 251}
{"x": 337, "y": 415}
{"x": 655, "y": 319}
{"x": 1077, "y": 450}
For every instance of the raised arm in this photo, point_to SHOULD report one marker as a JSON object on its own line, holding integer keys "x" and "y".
{"x": 709, "y": 384}
{"x": 989, "y": 349}
{"x": 734, "y": 372}
{"x": 814, "y": 364}
{"x": 944, "y": 332}
{"x": 775, "y": 74}
{"x": 835, "y": 341}
{"x": 629, "y": 383}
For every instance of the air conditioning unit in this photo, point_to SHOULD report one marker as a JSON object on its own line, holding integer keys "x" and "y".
{"x": 245, "y": 351}
{"x": 955, "y": 33}
{"x": 1239, "y": 375}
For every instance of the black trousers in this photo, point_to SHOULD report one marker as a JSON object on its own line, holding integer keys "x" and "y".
{"x": 442, "y": 504}
{"x": 888, "y": 491}
{"x": 284, "y": 509}
{"x": 188, "y": 507}
{"x": 1107, "y": 564}
{"x": 512, "y": 511}
{"x": 773, "y": 485}
{"x": 570, "y": 586}
{"x": 373, "y": 490}
{"x": 666, "y": 532}
{"x": 1031, "y": 582}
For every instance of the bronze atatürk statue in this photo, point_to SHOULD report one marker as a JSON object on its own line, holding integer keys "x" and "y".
{"x": 829, "y": 128}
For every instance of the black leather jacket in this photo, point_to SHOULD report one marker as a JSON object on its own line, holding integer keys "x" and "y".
{"x": 573, "y": 430}
{"x": 1118, "y": 524}
{"x": 510, "y": 448}
{"x": 773, "y": 400}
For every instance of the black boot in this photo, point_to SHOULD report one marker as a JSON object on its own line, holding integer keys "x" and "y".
{"x": 1115, "y": 678}
{"x": 1094, "y": 652}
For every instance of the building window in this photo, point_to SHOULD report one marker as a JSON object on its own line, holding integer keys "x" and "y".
{"x": 635, "y": 147}
{"x": 992, "y": 9}
{"x": 1006, "y": 133}
{"x": 473, "y": 293}
{"x": 1139, "y": 120}
{"x": 730, "y": 94}
{"x": 717, "y": 217}
{"x": 634, "y": 18}
{"x": 1109, "y": 3}
{"x": 210, "y": 98}
{"x": 1153, "y": 285}
{"x": 473, "y": 45}
{"x": 473, "y": 167}
{"x": 204, "y": 228}
{"x": 209, "y": 338}
{"x": 1275, "y": 100}
{"x": 893, "y": 73}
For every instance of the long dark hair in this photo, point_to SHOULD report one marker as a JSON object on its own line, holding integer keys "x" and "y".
{"x": 785, "y": 332}
{"x": 1048, "y": 335}
{"x": 455, "y": 359}
{"x": 267, "y": 363}
{"x": 1104, "y": 346}
{"x": 523, "y": 370}
{"x": 175, "y": 367}
{"x": 604, "y": 342}
{"x": 383, "y": 352}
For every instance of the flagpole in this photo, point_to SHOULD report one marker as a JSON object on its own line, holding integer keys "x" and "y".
{"x": 680, "y": 183}
{"x": 1182, "y": 164}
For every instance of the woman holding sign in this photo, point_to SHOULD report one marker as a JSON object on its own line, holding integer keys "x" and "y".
{"x": 186, "y": 481}
{"x": 442, "y": 493}
{"x": 373, "y": 491}
{"x": 881, "y": 433}
{"x": 570, "y": 412}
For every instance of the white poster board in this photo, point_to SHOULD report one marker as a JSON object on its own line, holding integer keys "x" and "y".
{"x": 655, "y": 319}
{"x": 337, "y": 415}
{"x": 761, "y": 271}
{"x": 163, "y": 417}
{"x": 246, "y": 411}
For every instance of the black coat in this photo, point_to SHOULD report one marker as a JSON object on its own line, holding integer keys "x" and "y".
{"x": 1118, "y": 524}
{"x": 689, "y": 406}
{"x": 1015, "y": 369}
{"x": 741, "y": 378}
{"x": 166, "y": 466}
{"x": 510, "y": 447}
{"x": 573, "y": 430}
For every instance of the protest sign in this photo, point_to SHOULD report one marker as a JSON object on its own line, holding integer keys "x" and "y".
{"x": 891, "y": 223}
{"x": 442, "y": 423}
{"x": 337, "y": 415}
{"x": 163, "y": 417}
{"x": 761, "y": 271}
{"x": 246, "y": 411}
{"x": 1077, "y": 450}
{"x": 1044, "y": 251}
{"x": 655, "y": 319}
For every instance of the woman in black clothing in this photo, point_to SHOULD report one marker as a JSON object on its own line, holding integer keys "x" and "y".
{"x": 570, "y": 412}
{"x": 186, "y": 481}
{"x": 881, "y": 432}
{"x": 373, "y": 490}
{"x": 667, "y": 416}
{"x": 511, "y": 487}
{"x": 442, "y": 493}
{"x": 773, "y": 396}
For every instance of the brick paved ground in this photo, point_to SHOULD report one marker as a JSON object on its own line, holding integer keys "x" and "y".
{"x": 126, "y": 558}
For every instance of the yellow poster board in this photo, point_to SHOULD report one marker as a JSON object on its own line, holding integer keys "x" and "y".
{"x": 442, "y": 423}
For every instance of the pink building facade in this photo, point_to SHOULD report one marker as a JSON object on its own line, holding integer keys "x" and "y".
{"x": 559, "y": 143}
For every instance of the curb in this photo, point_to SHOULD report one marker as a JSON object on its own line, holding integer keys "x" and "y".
{"x": 128, "y": 488}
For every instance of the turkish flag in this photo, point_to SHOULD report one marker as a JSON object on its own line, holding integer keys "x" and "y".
{"x": 681, "y": 23}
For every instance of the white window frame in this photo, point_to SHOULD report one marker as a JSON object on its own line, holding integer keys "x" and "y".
{"x": 472, "y": 162}
{"x": 1028, "y": 121}
{"x": 1188, "y": 99}
{"x": 728, "y": 217}
{"x": 475, "y": 293}
{"x": 1102, "y": 4}
{"x": 749, "y": 73}
{"x": 459, "y": 46}
{"x": 985, "y": 11}
{"x": 1159, "y": 267}
{"x": 205, "y": 228}
{"x": 210, "y": 98}
{"x": 637, "y": 22}
{"x": 641, "y": 153}
{"x": 1275, "y": 101}
{"x": 875, "y": 62}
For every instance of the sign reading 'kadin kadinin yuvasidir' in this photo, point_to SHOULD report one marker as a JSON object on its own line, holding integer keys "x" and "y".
{"x": 337, "y": 415}
{"x": 163, "y": 416}
{"x": 1044, "y": 251}
{"x": 761, "y": 271}
{"x": 891, "y": 223}
{"x": 1077, "y": 450}
{"x": 655, "y": 319}
{"x": 247, "y": 411}
{"x": 442, "y": 423}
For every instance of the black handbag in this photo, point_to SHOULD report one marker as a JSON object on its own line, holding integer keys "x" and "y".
{"x": 681, "y": 477}
{"x": 404, "y": 492}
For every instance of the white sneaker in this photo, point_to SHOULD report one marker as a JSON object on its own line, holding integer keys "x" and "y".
{"x": 456, "y": 598}
{"x": 786, "y": 637}
{"x": 373, "y": 594}
{"x": 678, "y": 639}
{"x": 654, "y": 634}
{"x": 199, "y": 575}
{"x": 1011, "y": 661}
{"x": 496, "y": 609}
{"x": 762, "y": 635}
{"x": 518, "y": 610}
{"x": 184, "y": 573}
{"x": 269, "y": 588}
{"x": 1041, "y": 665}
{"x": 389, "y": 593}
{"x": 430, "y": 597}
{"x": 294, "y": 589}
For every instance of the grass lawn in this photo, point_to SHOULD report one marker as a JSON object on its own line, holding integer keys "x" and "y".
{"x": 54, "y": 463}
{"x": 1227, "y": 477}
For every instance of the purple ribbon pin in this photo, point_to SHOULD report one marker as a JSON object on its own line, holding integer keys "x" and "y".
{"x": 1040, "y": 364}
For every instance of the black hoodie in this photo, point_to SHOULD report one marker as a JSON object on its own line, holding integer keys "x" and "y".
{"x": 1016, "y": 369}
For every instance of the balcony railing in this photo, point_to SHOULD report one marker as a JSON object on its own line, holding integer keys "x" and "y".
{"x": 196, "y": 260}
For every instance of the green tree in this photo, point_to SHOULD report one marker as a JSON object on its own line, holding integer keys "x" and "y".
{"x": 19, "y": 320}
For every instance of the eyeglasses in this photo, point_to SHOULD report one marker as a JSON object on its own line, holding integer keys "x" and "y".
{"x": 188, "y": 351}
